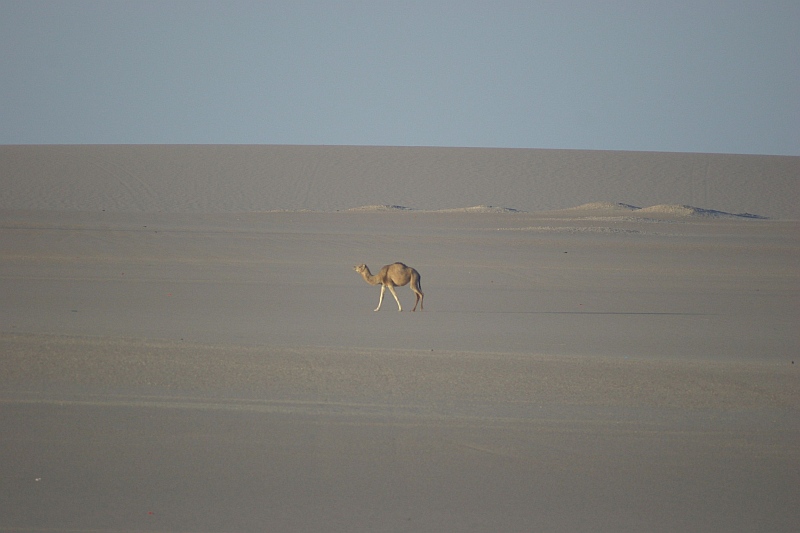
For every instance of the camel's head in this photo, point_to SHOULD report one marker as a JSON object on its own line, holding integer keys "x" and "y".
{"x": 360, "y": 268}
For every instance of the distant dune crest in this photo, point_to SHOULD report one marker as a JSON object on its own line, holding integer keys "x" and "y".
{"x": 378, "y": 208}
{"x": 591, "y": 209}
{"x": 597, "y": 206}
{"x": 480, "y": 209}
{"x": 690, "y": 211}
{"x": 473, "y": 209}
{"x": 663, "y": 210}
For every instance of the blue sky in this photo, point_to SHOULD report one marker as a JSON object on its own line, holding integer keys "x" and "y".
{"x": 687, "y": 76}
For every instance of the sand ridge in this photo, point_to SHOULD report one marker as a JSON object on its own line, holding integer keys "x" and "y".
{"x": 231, "y": 178}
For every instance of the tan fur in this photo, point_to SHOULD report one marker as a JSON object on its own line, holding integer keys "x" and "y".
{"x": 391, "y": 276}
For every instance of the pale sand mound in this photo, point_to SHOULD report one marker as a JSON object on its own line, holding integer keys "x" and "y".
{"x": 378, "y": 208}
{"x": 604, "y": 206}
{"x": 661, "y": 211}
{"x": 691, "y": 211}
{"x": 479, "y": 209}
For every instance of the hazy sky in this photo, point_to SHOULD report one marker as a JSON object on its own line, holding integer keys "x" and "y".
{"x": 695, "y": 75}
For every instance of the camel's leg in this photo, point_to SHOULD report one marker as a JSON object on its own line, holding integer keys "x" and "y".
{"x": 419, "y": 296}
{"x": 418, "y": 293}
{"x": 396, "y": 299}
{"x": 380, "y": 301}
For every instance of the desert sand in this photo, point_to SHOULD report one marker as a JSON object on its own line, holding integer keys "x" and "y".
{"x": 609, "y": 340}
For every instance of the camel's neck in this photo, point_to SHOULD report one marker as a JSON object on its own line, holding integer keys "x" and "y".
{"x": 369, "y": 278}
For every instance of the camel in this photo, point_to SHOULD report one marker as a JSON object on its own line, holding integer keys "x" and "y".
{"x": 391, "y": 276}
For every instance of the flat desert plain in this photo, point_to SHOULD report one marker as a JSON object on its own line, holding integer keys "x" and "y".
{"x": 182, "y": 354}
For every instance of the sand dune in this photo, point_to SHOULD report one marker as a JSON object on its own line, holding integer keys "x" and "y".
{"x": 378, "y": 208}
{"x": 591, "y": 209}
{"x": 214, "y": 178}
{"x": 609, "y": 209}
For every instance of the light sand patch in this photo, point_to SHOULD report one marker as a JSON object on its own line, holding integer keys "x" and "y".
{"x": 691, "y": 211}
{"x": 377, "y": 208}
{"x": 604, "y": 206}
{"x": 610, "y": 211}
{"x": 479, "y": 209}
